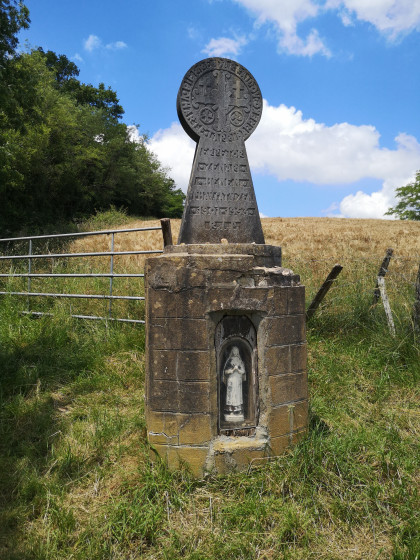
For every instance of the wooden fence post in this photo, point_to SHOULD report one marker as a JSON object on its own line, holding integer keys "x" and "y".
{"x": 381, "y": 274}
{"x": 166, "y": 231}
{"x": 387, "y": 307}
{"x": 416, "y": 311}
{"x": 323, "y": 290}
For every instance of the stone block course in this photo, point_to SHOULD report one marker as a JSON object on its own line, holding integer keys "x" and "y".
{"x": 284, "y": 330}
{"x": 296, "y": 300}
{"x": 288, "y": 387}
{"x": 187, "y": 303}
{"x": 178, "y": 334}
{"x": 277, "y": 360}
{"x": 298, "y": 355}
{"x": 174, "y": 396}
{"x": 178, "y": 429}
{"x": 288, "y": 417}
{"x": 180, "y": 365}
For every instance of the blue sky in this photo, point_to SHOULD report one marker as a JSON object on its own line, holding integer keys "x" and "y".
{"x": 340, "y": 127}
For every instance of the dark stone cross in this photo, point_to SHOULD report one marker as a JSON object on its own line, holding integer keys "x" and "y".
{"x": 219, "y": 105}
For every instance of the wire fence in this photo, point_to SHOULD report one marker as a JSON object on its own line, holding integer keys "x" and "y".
{"x": 32, "y": 259}
{"x": 357, "y": 284}
{"x": 47, "y": 268}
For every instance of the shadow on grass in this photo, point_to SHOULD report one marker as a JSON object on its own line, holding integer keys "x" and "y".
{"x": 35, "y": 360}
{"x": 44, "y": 364}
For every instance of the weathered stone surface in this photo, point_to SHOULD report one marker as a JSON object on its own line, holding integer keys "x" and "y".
{"x": 288, "y": 387}
{"x": 264, "y": 255}
{"x": 177, "y": 396}
{"x": 278, "y": 445}
{"x": 219, "y": 105}
{"x": 178, "y": 429}
{"x": 188, "y": 303}
{"x": 296, "y": 300}
{"x": 163, "y": 424}
{"x": 237, "y": 459}
{"x": 275, "y": 276}
{"x": 288, "y": 417}
{"x": 195, "y": 430}
{"x": 193, "y": 457}
{"x": 178, "y": 334}
{"x": 277, "y": 360}
{"x": 284, "y": 330}
{"x": 181, "y": 365}
{"x": 298, "y": 354}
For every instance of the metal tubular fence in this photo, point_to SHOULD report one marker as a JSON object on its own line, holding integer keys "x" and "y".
{"x": 31, "y": 257}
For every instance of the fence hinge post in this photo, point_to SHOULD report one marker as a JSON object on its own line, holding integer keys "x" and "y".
{"x": 166, "y": 231}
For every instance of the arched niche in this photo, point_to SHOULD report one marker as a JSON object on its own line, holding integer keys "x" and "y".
{"x": 236, "y": 353}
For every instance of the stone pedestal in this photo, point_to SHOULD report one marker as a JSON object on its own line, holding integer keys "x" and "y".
{"x": 207, "y": 306}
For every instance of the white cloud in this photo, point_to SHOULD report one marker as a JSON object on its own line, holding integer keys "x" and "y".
{"x": 175, "y": 150}
{"x": 391, "y": 17}
{"x": 118, "y": 45}
{"x": 224, "y": 46}
{"x": 92, "y": 42}
{"x": 286, "y": 15}
{"x": 291, "y": 43}
{"x": 78, "y": 58}
{"x": 289, "y": 147}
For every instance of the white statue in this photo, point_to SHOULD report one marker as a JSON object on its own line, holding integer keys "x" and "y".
{"x": 233, "y": 375}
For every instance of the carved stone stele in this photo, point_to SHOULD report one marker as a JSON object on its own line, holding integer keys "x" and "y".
{"x": 219, "y": 105}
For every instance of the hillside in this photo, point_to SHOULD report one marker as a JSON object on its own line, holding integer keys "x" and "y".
{"x": 77, "y": 481}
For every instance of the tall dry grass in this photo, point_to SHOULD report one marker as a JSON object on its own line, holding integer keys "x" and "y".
{"x": 311, "y": 246}
{"x": 77, "y": 480}
{"x": 300, "y": 237}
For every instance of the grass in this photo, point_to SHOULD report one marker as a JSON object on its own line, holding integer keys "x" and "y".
{"x": 76, "y": 478}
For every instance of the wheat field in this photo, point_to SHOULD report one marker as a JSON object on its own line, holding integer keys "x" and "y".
{"x": 299, "y": 237}
{"x": 310, "y": 247}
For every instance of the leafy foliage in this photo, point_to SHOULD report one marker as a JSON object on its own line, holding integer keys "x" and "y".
{"x": 64, "y": 153}
{"x": 13, "y": 17}
{"x": 408, "y": 207}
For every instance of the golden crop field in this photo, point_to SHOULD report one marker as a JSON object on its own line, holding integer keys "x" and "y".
{"x": 299, "y": 237}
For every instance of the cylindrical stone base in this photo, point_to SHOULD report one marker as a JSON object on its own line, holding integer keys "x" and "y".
{"x": 194, "y": 295}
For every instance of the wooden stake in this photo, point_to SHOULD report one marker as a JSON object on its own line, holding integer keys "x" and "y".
{"x": 323, "y": 290}
{"x": 387, "y": 307}
{"x": 381, "y": 274}
{"x": 166, "y": 231}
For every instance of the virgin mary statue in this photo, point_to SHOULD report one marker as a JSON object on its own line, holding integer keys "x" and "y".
{"x": 233, "y": 375}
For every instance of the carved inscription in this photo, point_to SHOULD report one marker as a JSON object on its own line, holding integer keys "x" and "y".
{"x": 220, "y": 100}
{"x": 219, "y": 105}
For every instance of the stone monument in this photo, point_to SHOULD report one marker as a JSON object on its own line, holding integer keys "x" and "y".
{"x": 226, "y": 375}
{"x": 219, "y": 105}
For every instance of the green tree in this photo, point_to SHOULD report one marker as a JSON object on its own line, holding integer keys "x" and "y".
{"x": 408, "y": 206}
{"x": 13, "y": 17}
{"x": 85, "y": 94}
{"x": 62, "y": 159}
{"x": 64, "y": 152}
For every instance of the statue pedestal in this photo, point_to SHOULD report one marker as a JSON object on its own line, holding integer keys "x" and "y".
{"x": 226, "y": 378}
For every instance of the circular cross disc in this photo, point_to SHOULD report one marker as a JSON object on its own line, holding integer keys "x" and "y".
{"x": 220, "y": 100}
